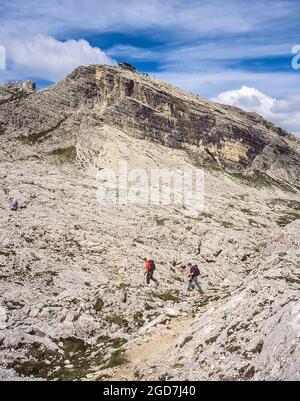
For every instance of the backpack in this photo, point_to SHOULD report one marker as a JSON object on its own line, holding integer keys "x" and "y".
{"x": 150, "y": 265}
{"x": 196, "y": 271}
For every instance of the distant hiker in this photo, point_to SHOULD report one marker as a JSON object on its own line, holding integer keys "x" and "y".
{"x": 15, "y": 205}
{"x": 150, "y": 268}
{"x": 193, "y": 275}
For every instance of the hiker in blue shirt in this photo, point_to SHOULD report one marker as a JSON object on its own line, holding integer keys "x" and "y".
{"x": 14, "y": 204}
{"x": 193, "y": 275}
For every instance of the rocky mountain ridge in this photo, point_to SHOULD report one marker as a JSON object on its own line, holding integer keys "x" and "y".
{"x": 222, "y": 136}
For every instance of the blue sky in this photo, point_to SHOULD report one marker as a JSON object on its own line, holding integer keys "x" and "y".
{"x": 235, "y": 52}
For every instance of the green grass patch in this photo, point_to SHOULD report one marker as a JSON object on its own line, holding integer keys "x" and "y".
{"x": 116, "y": 359}
{"x": 115, "y": 319}
{"x": 206, "y": 215}
{"x": 67, "y": 154}
{"x": 139, "y": 241}
{"x": 253, "y": 223}
{"x": 50, "y": 364}
{"x": 291, "y": 204}
{"x": 260, "y": 180}
{"x": 164, "y": 377}
{"x": 246, "y": 211}
{"x": 160, "y": 221}
{"x": 137, "y": 375}
{"x": 200, "y": 304}
{"x": 115, "y": 343}
{"x": 99, "y": 305}
{"x": 211, "y": 340}
{"x": 185, "y": 341}
{"x": 167, "y": 296}
{"x": 247, "y": 372}
{"x": 152, "y": 316}
{"x": 13, "y": 305}
{"x": 286, "y": 219}
{"x": 138, "y": 318}
{"x": 37, "y": 137}
{"x": 226, "y": 224}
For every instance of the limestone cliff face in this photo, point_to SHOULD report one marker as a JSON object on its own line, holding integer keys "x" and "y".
{"x": 223, "y": 136}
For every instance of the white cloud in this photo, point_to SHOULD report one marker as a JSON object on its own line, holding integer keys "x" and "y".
{"x": 285, "y": 113}
{"x": 249, "y": 99}
{"x": 185, "y": 17}
{"x": 135, "y": 53}
{"x": 48, "y": 58}
{"x": 2, "y": 58}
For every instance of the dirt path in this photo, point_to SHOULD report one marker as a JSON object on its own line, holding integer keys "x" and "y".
{"x": 151, "y": 353}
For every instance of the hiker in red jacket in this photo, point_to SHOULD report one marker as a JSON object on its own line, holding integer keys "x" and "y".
{"x": 193, "y": 275}
{"x": 150, "y": 267}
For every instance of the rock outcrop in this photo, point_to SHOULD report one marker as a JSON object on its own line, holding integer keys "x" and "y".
{"x": 29, "y": 86}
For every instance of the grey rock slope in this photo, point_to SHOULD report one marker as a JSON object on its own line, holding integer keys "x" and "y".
{"x": 73, "y": 303}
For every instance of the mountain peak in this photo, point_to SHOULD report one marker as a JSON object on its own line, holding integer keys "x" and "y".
{"x": 212, "y": 134}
